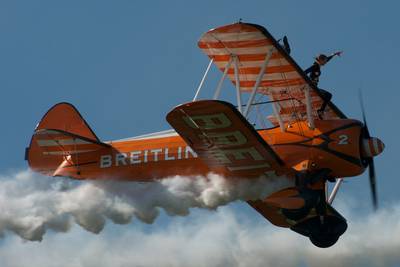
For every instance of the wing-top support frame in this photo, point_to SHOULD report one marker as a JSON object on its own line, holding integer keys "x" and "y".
{"x": 245, "y": 112}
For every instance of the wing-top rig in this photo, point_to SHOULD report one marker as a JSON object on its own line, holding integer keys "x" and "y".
{"x": 256, "y": 63}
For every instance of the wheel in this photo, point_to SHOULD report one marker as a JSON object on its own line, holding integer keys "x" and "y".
{"x": 324, "y": 241}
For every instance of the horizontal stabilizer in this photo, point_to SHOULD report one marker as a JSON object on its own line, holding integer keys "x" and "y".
{"x": 50, "y": 148}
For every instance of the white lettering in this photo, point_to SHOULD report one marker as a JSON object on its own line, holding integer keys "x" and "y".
{"x": 220, "y": 156}
{"x": 226, "y": 139}
{"x": 135, "y": 157}
{"x": 167, "y": 157}
{"x": 343, "y": 139}
{"x": 120, "y": 158}
{"x": 105, "y": 161}
{"x": 188, "y": 150}
{"x": 155, "y": 152}
{"x": 240, "y": 154}
{"x": 179, "y": 152}
{"x": 207, "y": 122}
{"x": 270, "y": 174}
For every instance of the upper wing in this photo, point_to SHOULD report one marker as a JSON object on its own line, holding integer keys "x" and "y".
{"x": 283, "y": 80}
{"x": 224, "y": 139}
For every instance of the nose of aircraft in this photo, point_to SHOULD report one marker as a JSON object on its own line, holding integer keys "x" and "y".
{"x": 372, "y": 147}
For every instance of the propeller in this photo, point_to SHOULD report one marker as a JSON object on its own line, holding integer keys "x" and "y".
{"x": 369, "y": 160}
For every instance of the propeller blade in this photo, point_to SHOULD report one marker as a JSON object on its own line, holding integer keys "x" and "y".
{"x": 372, "y": 181}
{"x": 365, "y": 128}
{"x": 360, "y": 98}
{"x": 370, "y": 161}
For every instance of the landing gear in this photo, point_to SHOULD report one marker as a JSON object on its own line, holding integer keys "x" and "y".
{"x": 322, "y": 233}
{"x": 296, "y": 214}
{"x": 317, "y": 220}
{"x": 313, "y": 198}
{"x": 325, "y": 234}
{"x": 310, "y": 197}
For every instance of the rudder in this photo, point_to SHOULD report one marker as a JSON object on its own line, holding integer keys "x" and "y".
{"x": 61, "y": 138}
{"x": 65, "y": 117}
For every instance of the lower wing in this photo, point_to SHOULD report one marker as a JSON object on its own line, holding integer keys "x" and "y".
{"x": 225, "y": 140}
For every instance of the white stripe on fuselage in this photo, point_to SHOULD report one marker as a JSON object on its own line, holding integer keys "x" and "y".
{"x": 62, "y": 142}
{"x": 66, "y": 153}
{"x": 166, "y": 133}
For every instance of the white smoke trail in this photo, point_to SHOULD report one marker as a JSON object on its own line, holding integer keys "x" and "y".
{"x": 30, "y": 204}
{"x": 223, "y": 238}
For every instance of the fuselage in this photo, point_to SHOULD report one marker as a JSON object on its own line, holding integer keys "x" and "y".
{"x": 333, "y": 144}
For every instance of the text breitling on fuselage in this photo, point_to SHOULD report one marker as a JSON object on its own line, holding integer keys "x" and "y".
{"x": 145, "y": 156}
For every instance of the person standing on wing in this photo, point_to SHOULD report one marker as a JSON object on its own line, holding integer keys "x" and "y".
{"x": 315, "y": 71}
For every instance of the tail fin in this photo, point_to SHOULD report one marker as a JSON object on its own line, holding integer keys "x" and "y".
{"x": 60, "y": 141}
{"x": 65, "y": 117}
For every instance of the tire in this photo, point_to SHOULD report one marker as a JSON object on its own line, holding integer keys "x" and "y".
{"x": 324, "y": 241}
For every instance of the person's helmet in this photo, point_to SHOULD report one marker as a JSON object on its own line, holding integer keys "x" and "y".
{"x": 321, "y": 59}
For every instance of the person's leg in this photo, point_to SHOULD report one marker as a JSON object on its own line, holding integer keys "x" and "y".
{"x": 286, "y": 45}
{"x": 326, "y": 96}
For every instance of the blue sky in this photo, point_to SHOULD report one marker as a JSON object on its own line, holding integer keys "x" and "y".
{"x": 125, "y": 64}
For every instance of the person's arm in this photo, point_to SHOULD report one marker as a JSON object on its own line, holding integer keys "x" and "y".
{"x": 338, "y": 53}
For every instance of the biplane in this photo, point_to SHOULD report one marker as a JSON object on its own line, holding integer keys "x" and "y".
{"x": 216, "y": 136}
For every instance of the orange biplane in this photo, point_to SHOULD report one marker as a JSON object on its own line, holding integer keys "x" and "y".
{"x": 216, "y": 136}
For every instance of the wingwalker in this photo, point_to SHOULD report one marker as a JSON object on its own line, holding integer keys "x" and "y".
{"x": 215, "y": 136}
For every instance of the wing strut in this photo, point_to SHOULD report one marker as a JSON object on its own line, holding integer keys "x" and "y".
{"x": 235, "y": 60}
{"x": 202, "y": 80}
{"x": 310, "y": 117}
{"x": 221, "y": 81}
{"x": 335, "y": 190}
{"x": 277, "y": 115}
{"x": 237, "y": 81}
{"x": 258, "y": 81}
